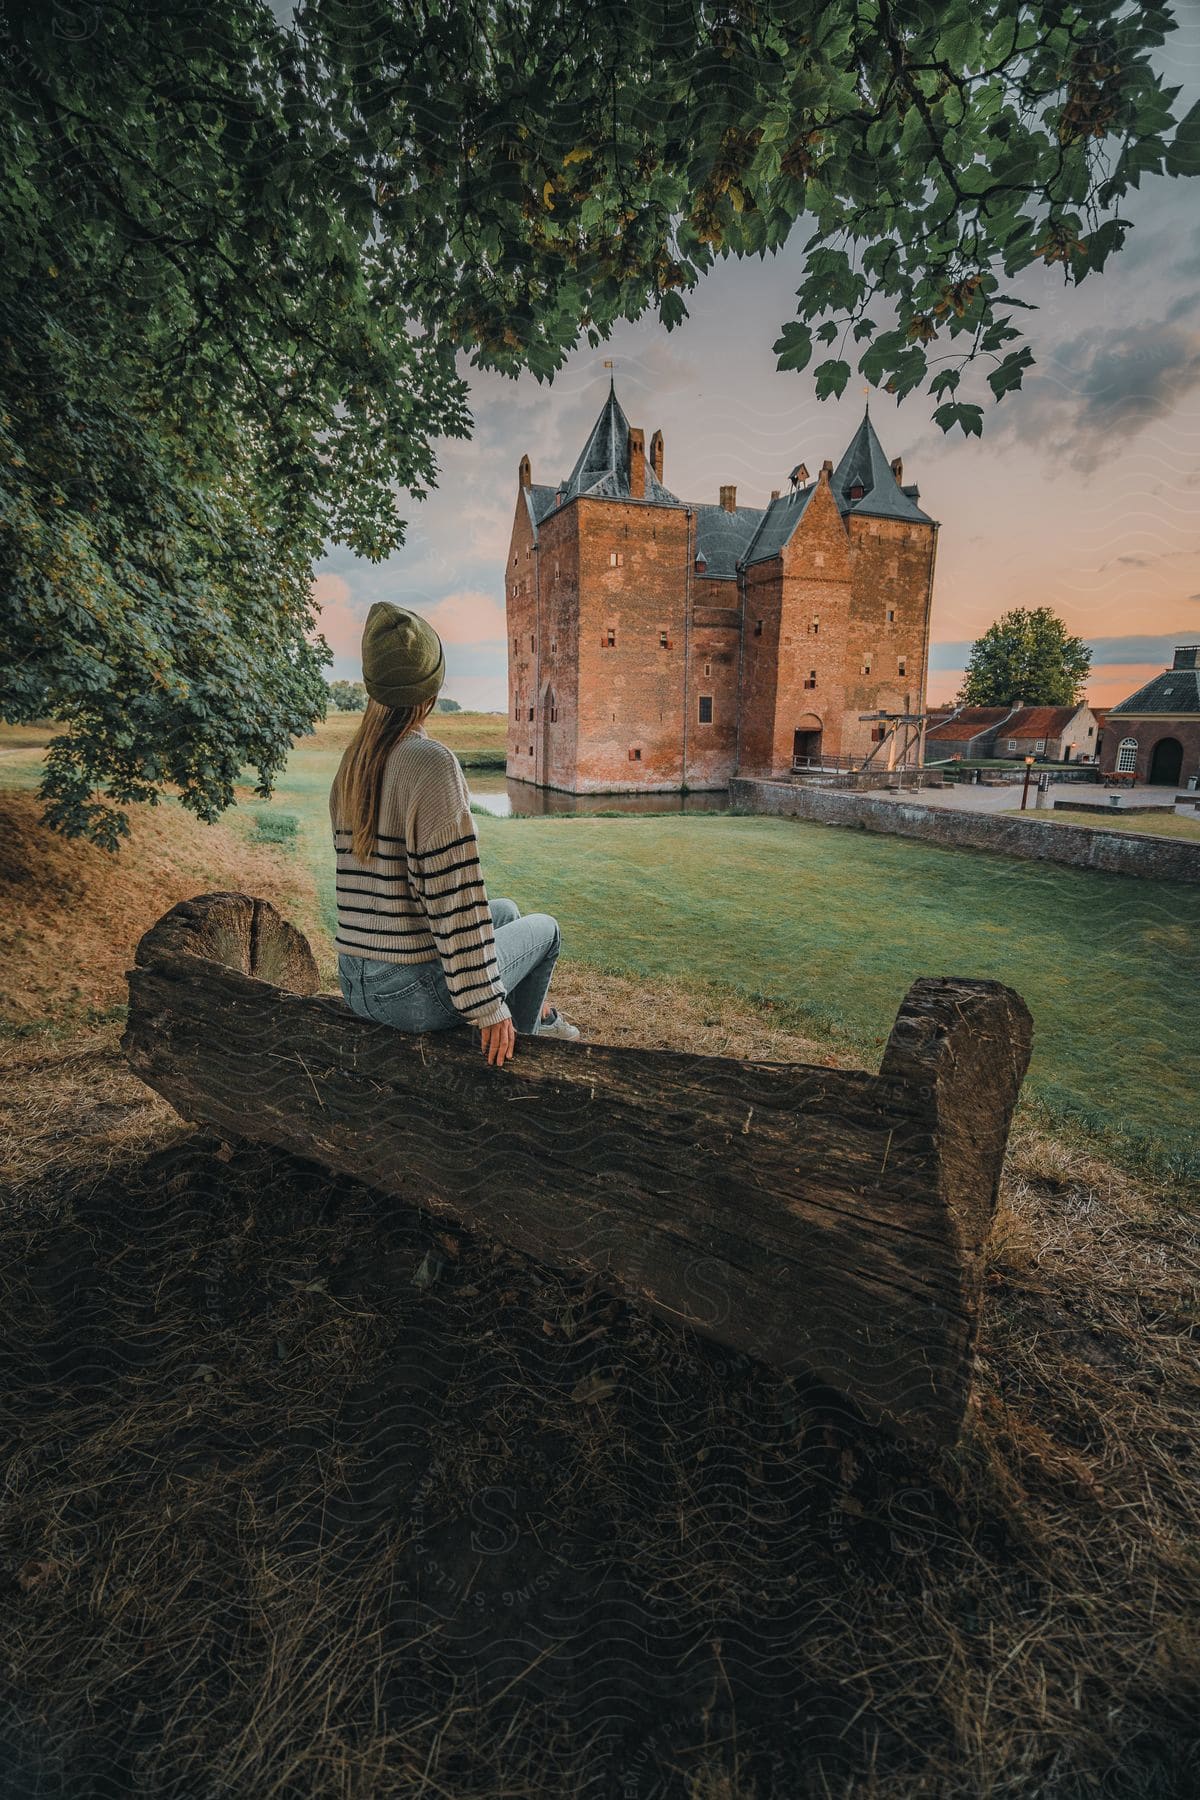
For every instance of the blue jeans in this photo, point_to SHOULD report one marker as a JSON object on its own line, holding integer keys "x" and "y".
{"x": 414, "y": 996}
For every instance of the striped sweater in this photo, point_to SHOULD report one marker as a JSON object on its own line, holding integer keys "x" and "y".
{"x": 421, "y": 896}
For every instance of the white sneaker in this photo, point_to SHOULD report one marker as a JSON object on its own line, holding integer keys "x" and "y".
{"x": 557, "y": 1026}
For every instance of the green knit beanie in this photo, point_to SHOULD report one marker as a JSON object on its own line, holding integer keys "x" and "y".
{"x": 403, "y": 662}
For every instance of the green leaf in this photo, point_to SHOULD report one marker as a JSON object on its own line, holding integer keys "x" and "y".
{"x": 831, "y": 378}
{"x": 1183, "y": 152}
{"x": 794, "y": 346}
{"x": 1008, "y": 374}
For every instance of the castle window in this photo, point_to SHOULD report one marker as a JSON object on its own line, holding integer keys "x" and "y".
{"x": 556, "y": 571}
{"x": 706, "y": 709}
{"x": 531, "y": 712}
{"x": 517, "y": 710}
{"x": 866, "y": 668}
{"x": 516, "y": 643}
{"x": 708, "y": 668}
{"x": 554, "y": 715}
{"x": 553, "y": 646}
{"x": 531, "y": 749}
{"x": 857, "y": 490}
{"x": 664, "y": 642}
{"x": 815, "y": 627}
{"x": 878, "y": 733}
{"x": 635, "y": 755}
{"x": 902, "y": 665}
{"x": 532, "y": 642}
{"x": 812, "y": 678}
{"x": 616, "y": 558}
{"x": 891, "y": 615}
{"x": 758, "y": 628}
{"x": 609, "y": 640}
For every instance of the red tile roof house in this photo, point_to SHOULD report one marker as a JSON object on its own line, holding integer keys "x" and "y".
{"x": 1155, "y": 735}
{"x": 970, "y": 731}
{"x": 1057, "y": 733}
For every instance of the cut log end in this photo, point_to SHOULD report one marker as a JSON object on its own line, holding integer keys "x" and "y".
{"x": 239, "y": 932}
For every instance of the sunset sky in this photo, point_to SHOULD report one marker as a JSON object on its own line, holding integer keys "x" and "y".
{"x": 1083, "y": 494}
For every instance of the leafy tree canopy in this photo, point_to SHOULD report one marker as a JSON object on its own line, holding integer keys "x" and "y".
{"x": 348, "y": 696}
{"x": 1027, "y": 656}
{"x": 445, "y": 706}
{"x": 241, "y": 256}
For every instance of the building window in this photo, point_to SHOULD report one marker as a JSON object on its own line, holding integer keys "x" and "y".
{"x": 1091, "y": 731}
{"x": 812, "y": 678}
{"x": 857, "y": 491}
{"x": 706, "y": 709}
{"x": 664, "y": 642}
{"x": 902, "y": 665}
{"x": 556, "y": 571}
{"x": 815, "y": 627}
{"x": 531, "y": 712}
{"x": 635, "y": 755}
{"x": 891, "y": 615}
{"x": 1041, "y": 744}
{"x": 708, "y": 668}
{"x": 866, "y": 668}
{"x": 1127, "y": 756}
{"x": 878, "y": 733}
{"x": 608, "y": 641}
{"x": 516, "y": 643}
{"x": 758, "y": 628}
{"x": 554, "y": 715}
{"x": 532, "y": 642}
{"x": 531, "y": 749}
{"x": 517, "y": 710}
{"x": 616, "y": 558}
{"x": 1012, "y": 743}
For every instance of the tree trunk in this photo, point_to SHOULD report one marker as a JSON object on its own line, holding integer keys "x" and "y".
{"x": 829, "y": 1222}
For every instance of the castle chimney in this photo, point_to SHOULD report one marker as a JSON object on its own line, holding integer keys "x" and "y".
{"x": 729, "y": 499}
{"x": 1185, "y": 656}
{"x": 898, "y": 469}
{"x": 774, "y": 493}
{"x": 656, "y": 454}
{"x": 826, "y": 468}
{"x": 524, "y": 472}
{"x": 637, "y": 463}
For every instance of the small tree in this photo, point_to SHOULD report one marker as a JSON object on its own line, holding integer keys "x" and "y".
{"x": 447, "y": 706}
{"x": 1028, "y": 656}
{"x": 347, "y": 696}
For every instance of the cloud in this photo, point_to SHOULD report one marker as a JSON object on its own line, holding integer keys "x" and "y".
{"x": 1155, "y": 651}
{"x": 469, "y": 617}
{"x": 1103, "y": 387}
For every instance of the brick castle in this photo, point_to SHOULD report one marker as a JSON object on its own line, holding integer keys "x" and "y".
{"x": 661, "y": 644}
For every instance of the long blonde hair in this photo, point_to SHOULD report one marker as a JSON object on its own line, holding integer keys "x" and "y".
{"x": 359, "y": 779}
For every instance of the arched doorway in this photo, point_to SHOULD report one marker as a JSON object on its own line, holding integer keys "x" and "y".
{"x": 1166, "y": 764}
{"x": 806, "y": 739}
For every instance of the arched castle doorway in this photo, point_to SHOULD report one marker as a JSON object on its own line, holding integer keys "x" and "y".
{"x": 806, "y": 739}
{"x": 1166, "y": 764}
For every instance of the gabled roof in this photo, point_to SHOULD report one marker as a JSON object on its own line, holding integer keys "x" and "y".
{"x": 1041, "y": 721}
{"x": 864, "y": 464}
{"x": 722, "y": 538}
{"x": 602, "y": 466}
{"x": 777, "y": 523}
{"x": 969, "y": 722}
{"x": 1174, "y": 691}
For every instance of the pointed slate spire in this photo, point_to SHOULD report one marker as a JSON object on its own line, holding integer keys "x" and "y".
{"x": 602, "y": 467}
{"x": 865, "y": 465}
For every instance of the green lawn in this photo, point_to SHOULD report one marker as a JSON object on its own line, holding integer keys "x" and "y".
{"x": 1157, "y": 824}
{"x": 836, "y": 924}
{"x": 833, "y": 925}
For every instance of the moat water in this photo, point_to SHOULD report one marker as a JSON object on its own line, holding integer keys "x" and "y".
{"x": 510, "y": 799}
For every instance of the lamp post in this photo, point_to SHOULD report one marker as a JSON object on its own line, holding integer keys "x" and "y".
{"x": 1025, "y": 785}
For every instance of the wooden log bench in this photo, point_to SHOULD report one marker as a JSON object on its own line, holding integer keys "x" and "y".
{"x": 830, "y": 1222}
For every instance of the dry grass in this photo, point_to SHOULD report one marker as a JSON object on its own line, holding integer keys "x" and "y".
{"x": 71, "y": 914}
{"x": 464, "y": 731}
{"x": 311, "y": 1497}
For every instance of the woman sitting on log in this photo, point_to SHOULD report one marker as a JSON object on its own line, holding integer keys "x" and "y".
{"x": 419, "y": 944}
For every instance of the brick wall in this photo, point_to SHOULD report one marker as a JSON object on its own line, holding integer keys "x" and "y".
{"x": 1148, "y": 733}
{"x": 631, "y": 693}
{"x": 892, "y": 574}
{"x": 1118, "y": 852}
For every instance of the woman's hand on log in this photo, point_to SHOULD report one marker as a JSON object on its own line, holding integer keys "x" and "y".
{"x": 499, "y": 1040}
